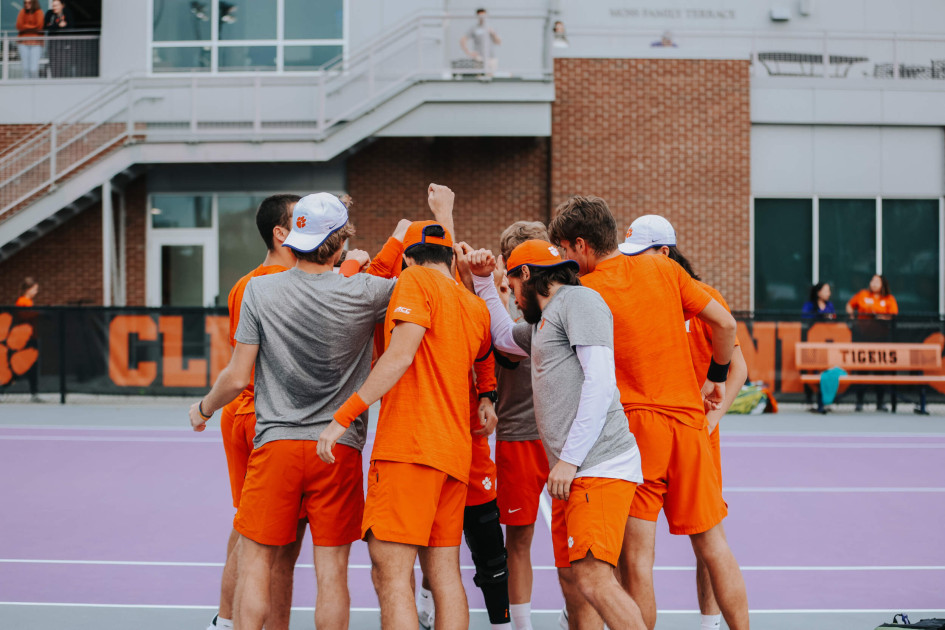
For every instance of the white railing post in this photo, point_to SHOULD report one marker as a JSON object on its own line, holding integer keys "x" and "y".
{"x": 130, "y": 125}
{"x": 193, "y": 103}
{"x": 108, "y": 242}
{"x": 52, "y": 155}
{"x": 257, "y": 105}
{"x": 321, "y": 101}
{"x": 5, "y": 72}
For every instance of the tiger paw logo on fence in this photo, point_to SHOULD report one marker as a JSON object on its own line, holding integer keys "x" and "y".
{"x": 15, "y": 358}
{"x": 300, "y": 222}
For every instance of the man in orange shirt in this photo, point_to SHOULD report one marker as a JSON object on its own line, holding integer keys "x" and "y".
{"x": 649, "y": 297}
{"x": 434, "y": 331}
{"x": 644, "y": 231}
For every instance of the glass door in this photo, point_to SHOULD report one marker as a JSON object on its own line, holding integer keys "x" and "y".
{"x": 182, "y": 253}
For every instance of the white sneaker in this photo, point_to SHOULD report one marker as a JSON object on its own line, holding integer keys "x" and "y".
{"x": 563, "y": 619}
{"x": 426, "y": 618}
{"x": 425, "y": 609}
{"x": 215, "y": 626}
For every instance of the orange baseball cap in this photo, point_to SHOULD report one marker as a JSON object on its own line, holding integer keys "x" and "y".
{"x": 536, "y": 253}
{"x": 418, "y": 234}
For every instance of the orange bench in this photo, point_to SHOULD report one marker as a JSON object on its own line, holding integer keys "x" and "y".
{"x": 874, "y": 357}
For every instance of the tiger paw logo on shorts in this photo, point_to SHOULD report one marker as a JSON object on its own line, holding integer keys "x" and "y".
{"x": 15, "y": 358}
{"x": 570, "y": 541}
{"x": 300, "y": 222}
{"x": 487, "y": 483}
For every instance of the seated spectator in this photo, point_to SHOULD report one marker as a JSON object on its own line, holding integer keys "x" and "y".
{"x": 818, "y": 304}
{"x": 875, "y": 301}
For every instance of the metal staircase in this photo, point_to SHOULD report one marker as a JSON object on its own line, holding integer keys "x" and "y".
{"x": 57, "y": 171}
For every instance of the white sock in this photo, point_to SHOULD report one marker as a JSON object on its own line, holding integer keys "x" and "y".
{"x": 424, "y": 600}
{"x": 224, "y": 623}
{"x": 521, "y": 615}
{"x": 710, "y": 622}
{"x": 500, "y": 626}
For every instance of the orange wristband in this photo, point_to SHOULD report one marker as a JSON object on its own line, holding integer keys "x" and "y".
{"x": 352, "y": 408}
{"x": 349, "y": 268}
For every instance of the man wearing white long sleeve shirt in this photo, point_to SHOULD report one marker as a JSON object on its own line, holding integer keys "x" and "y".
{"x": 595, "y": 463}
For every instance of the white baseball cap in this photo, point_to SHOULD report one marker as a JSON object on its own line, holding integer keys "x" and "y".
{"x": 650, "y": 230}
{"x": 314, "y": 219}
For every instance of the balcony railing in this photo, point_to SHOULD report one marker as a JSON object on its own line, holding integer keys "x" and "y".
{"x": 49, "y": 57}
{"x": 813, "y": 54}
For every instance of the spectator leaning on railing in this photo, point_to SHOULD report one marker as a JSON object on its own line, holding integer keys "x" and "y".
{"x": 58, "y": 21}
{"x": 29, "y": 25}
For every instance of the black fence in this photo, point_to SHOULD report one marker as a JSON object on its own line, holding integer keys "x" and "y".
{"x": 180, "y": 351}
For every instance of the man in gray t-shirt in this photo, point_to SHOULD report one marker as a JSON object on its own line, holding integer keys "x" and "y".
{"x": 478, "y": 42}
{"x": 595, "y": 463}
{"x": 308, "y": 332}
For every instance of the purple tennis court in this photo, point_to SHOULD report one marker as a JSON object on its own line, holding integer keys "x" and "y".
{"x": 110, "y": 520}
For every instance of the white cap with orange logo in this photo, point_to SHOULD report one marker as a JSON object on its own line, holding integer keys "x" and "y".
{"x": 314, "y": 219}
{"x": 650, "y": 230}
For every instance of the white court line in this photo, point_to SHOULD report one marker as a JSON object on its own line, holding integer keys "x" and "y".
{"x": 770, "y": 611}
{"x": 73, "y": 427}
{"x": 471, "y": 568}
{"x": 79, "y": 438}
{"x": 727, "y": 444}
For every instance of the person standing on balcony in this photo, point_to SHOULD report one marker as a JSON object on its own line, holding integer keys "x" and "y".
{"x": 58, "y": 22}
{"x": 482, "y": 37}
{"x": 29, "y": 25}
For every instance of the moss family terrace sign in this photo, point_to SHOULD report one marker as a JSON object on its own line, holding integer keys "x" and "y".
{"x": 662, "y": 13}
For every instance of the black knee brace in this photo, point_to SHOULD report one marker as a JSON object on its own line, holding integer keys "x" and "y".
{"x": 484, "y": 539}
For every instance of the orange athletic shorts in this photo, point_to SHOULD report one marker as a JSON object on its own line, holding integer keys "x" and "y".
{"x": 413, "y": 504}
{"x": 679, "y": 474}
{"x": 238, "y": 432}
{"x": 482, "y": 476}
{"x": 284, "y": 474}
{"x": 716, "y": 446}
{"x": 592, "y": 520}
{"x": 523, "y": 473}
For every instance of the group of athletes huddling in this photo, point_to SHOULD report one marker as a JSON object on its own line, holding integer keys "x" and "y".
{"x": 602, "y": 367}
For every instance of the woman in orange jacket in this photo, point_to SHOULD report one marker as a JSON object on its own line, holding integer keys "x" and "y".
{"x": 29, "y": 25}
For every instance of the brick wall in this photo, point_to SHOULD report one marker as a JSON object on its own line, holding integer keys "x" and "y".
{"x": 11, "y": 134}
{"x": 67, "y": 262}
{"x": 497, "y": 181}
{"x": 662, "y": 136}
{"x": 136, "y": 199}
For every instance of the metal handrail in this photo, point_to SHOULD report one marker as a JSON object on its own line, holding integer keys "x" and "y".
{"x": 116, "y": 104}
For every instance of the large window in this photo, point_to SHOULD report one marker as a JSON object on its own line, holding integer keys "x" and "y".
{"x": 847, "y": 245}
{"x": 911, "y": 255}
{"x": 246, "y": 35}
{"x": 783, "y": 253}
{"x": 843, "y": 242}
